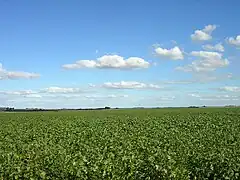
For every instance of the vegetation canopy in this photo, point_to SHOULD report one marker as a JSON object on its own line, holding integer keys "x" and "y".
{"x": 185, "y": 143}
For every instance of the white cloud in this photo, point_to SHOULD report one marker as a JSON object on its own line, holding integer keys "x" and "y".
{"x": 110, "y": 61}
{"x": 230, "y": 88}
{"x": 47, "y": 92}
{"x": 91, "y": 85}
{"x": 158, "y": 100}
{"x": 33, "y": 96}
{"x": 209, "y": 28}
{"x": 204, "y": 34}
{"x": 105, "y": 96}
{"x": 21, "y": 92}
{"x": 234, "y": 41}
{"x": 63, "y": 98}
{"x": 81, "y": 64}
{"x": 218, "y": 97}
{"x": 65, "y": 95}
{"x": 209, "y": 77}
{"x": 62, "y": 90}
{"x": 208, "y": 61}
{"x": 166, "y": 98}
{"x": 80, "y": 96}
{"x": 129, "y": 85}
{"x": 174, "y": 53}
{"x": 195, "y": 95}
{"x": 19, "y": 75}
{"x": 180, "y": 82}
{"x": 5, "y": 74}
{"x": 202, "y": 78}
{"x": 200, "y": 36}
{"x": 217, "y": 47}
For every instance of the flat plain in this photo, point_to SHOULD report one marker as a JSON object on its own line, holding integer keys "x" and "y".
{"x": 174, "y": 143}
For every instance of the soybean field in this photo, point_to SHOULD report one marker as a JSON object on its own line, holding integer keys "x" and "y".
{"x": 179, "y": 143}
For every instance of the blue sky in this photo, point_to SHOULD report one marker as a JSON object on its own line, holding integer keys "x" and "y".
{"x": 93, "y": 53}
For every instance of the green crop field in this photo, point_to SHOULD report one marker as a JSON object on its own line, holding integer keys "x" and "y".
{"x": 121, "y": 144}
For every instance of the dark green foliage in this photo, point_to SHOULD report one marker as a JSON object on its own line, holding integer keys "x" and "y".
{"x": 121, "y": 144}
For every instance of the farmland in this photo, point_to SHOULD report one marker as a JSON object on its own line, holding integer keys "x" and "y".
{"x": 121, "y": 144}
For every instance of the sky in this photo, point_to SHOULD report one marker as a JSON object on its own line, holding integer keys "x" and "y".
{"x": 123, "y": 53}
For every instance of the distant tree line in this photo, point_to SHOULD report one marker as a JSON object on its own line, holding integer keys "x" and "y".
{"x": 10, "y": 109}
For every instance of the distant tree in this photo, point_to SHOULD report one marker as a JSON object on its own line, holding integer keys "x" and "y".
{"x": 9, "y": 109}
{"x": 107, "y": 107}
{"x": 193, "y": 107}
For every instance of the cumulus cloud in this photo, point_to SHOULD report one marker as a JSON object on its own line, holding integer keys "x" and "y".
{"x": 61, "y": 90}
{"x": 111, "y": 62}
{"x": 230, "y": 88}
{"x": 129, "y": 85}
{"x": 204, "y": 34}
{"x": 217, "y": 47}
{"x": 173, "y": 54}
{"x": 5, "y": 74}
{"x": 207, "y": 61}
{"x": 234, "y": 41}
